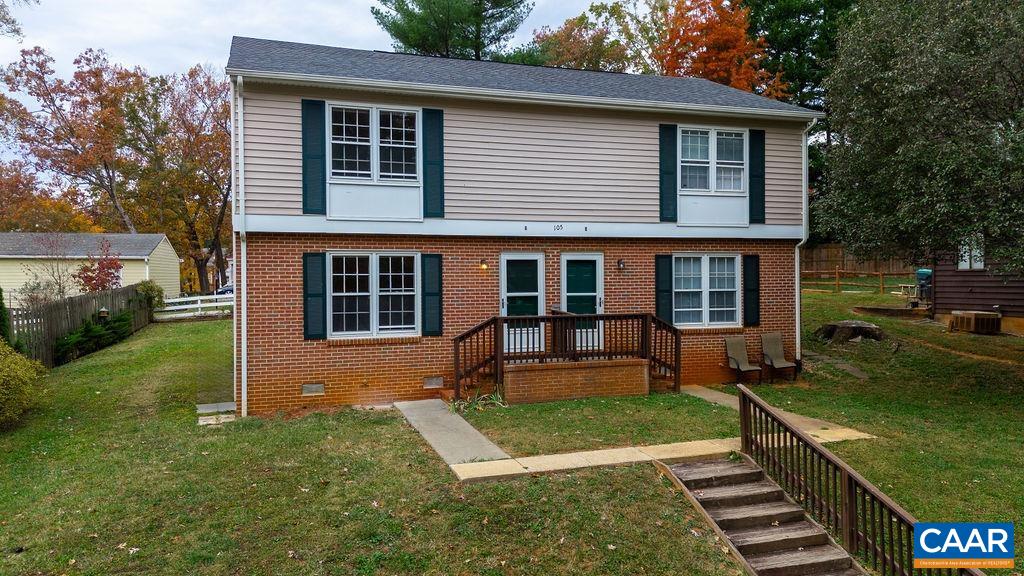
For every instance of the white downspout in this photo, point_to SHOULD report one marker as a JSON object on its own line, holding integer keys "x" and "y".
{"x": 243, "y": 284}
{"x": 234, "y": 211}
{"x": 806, "y": 235}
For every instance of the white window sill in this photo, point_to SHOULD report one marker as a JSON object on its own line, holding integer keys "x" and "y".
{"x": 372, "y": 219}
{"x": 370, "y": 182}
{"x": 716, "y": 194}
{"x": 358, "y": 336}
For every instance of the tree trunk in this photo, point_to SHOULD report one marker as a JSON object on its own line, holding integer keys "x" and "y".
{"x": 204, "y": 278}
{"x": 112, "y": 191}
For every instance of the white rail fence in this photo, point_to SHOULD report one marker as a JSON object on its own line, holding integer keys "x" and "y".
{"x": 195, "y": 307}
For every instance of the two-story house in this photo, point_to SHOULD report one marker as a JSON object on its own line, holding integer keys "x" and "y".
{"x": 389, "y": 207}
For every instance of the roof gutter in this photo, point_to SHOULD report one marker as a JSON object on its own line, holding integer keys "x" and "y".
{"x": 420, "y": 89}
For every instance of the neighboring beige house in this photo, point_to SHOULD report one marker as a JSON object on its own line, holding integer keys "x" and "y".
{"x": 29, "y": 256}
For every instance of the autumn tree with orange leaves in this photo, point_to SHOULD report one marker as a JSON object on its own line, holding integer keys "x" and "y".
{"x": 76, "y": 128}
{"x": 582, "y": 44}
{"x": 709, "y": 39}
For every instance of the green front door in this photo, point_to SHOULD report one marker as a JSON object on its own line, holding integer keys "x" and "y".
{"x": 583, "y": 293}
{"x": 522, "y": 294}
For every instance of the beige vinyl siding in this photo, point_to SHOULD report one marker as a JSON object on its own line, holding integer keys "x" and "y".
{"x": 165, "y": 270}
{"x": 16, "y": 272}
{"x": 525, "y": 165}
{"x": 783, "y": 176}
{"x": 516, "y": 162}
{"x": 273, "y": 153}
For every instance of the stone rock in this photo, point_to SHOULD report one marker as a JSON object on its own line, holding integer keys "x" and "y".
{"x": 847, "y": 330}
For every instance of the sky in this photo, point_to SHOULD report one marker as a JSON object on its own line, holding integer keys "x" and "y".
{"x": 165, "y": 36}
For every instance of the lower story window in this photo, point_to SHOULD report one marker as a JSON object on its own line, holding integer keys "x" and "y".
{"x": 374, "y": 293}
{"x": 705, "y": 290}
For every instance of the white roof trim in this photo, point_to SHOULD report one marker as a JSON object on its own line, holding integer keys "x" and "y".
{"x": 417, "y": 88}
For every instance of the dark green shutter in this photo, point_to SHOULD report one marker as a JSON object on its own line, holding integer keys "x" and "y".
{"x": 431, "y": 294}
{"x": 314, "y": 157}
{"x": 314, "y": 296}
{"x": 751, "y": 290}
{"x": 663, "y": 287}
{"x": 757, "y": 176}
{"x": 433, "y": 163}
{"x": 668, "y": 161}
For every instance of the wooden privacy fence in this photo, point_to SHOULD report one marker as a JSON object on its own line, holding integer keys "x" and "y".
{"x": 40, "y": 327}
{"x": 834, "y": 280}
{"x": 873, "y": 529}
{"x": 829, "y": 256}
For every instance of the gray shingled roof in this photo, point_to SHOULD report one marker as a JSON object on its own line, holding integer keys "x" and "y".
{"x": 255, "y": 55}
{"x": 77, "y": 245}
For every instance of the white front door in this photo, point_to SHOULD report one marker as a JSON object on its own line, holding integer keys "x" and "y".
{"x": 583, "y": 293}
{"x": 522, "y": 294}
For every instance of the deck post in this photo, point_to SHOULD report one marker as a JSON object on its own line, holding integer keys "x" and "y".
{"x": 499, "y": 350}
{"x": 678, "y": 370}
{"x": 645, "y": 338}
{"x": 458, "y": 377}
{"x": 848, "y": 505}
{"x": 744, "y": 422}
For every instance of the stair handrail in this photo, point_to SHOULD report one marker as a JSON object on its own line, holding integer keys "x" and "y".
{"x": 673, "y": 365}
{"x": 833, "y": 497}
{"x": 461, "y": 372}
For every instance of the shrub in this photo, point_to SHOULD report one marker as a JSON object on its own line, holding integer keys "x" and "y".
{"x": 153, "y": 292}
{"x": 92, "y": 336}
{"x": 18, "y": 384}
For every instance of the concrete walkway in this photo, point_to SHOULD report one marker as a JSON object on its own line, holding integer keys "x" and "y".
{"x": 454, "y": 439}
{"x": 474, "y": 458}
{"x": 667, "y": 453}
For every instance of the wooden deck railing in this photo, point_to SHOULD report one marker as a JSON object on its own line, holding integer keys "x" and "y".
{"x": 873, "y": 529}
{"x": 564, "y": 337}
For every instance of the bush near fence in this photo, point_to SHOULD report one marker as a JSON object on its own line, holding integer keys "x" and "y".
{"x": 40, "y": 328}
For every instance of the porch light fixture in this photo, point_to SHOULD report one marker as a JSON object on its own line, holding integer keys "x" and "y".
{"x": 483, "y": 264}
{"x": 104, "y": 314}
{"x": 621, "y": 263}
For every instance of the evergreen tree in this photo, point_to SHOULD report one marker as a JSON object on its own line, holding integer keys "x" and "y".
{"x": 474, "y": 29}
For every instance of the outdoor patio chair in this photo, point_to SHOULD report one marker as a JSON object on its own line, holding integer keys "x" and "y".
{"x": 736, "y": 350}
{"x": 774, "y": 354}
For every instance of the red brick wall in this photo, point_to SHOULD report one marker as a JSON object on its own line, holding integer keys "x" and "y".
{"x": 380, "y": 371}
{"x": 525, "y": 383}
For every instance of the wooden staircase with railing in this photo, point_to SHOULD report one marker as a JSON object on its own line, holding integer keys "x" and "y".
{"x": 790, "y": 507}
{"x": 482, "y": 352}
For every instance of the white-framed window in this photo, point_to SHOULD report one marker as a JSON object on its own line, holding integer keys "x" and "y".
{"x": 374, "y": 144}
{"x": 971, "y": 256}
{"x": 706, "y": 290}
{"x": 373, "y": 293}
{"x": 712, "y": 161}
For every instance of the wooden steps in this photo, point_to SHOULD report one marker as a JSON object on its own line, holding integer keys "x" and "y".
{"x": 769, "y": 531}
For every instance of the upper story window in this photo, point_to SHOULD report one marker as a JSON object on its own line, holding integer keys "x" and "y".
{"x": 971, "y": 256}
{"x": 373, "y": 294}
{"x": 374, "y": 144}
{"x": 706, "y": 290}
{"x": 712, "y": 161}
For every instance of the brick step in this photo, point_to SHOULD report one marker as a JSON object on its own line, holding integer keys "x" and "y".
{"x": 739, "y": 494}
{"x": 702, "y": 475}
{"x": 763, "y": 540}
{"x": 805, "y": 562}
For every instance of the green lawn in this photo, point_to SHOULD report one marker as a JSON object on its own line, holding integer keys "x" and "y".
{"x": 530, "y": 429}
{"x": 951, "y": 428}
{"x": 111, "y": 475}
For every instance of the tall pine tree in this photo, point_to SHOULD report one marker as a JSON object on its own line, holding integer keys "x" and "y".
{"x": 475, "y": 29}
